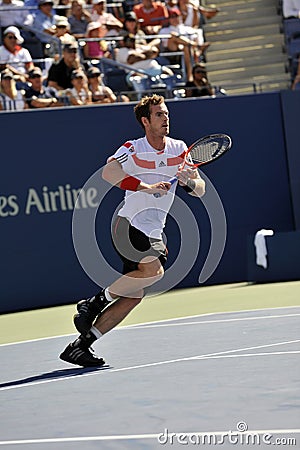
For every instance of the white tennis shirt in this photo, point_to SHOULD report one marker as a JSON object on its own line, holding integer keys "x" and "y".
{"x": 139, "y": 159}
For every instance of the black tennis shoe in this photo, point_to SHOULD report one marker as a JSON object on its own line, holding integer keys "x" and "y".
{"x": 88, "y": 309}
{"x": 81, "y": 357}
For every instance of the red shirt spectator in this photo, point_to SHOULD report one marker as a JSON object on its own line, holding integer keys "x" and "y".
{"x": 152, "y": 13}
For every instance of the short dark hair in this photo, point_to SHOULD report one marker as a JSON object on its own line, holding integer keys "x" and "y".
{"x": 143, "y": 108}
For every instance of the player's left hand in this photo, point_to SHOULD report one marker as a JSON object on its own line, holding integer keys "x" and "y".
{"x": 186, "y": 174}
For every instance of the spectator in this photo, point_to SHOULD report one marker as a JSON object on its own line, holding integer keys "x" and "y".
{"x": 10, "y": 98}
{"x": 62, "y": 34}
{"x": 291, "y": 9}
{"x": 152, "y": 13}
{"x": 43, "y": 23}
{"x": 37, "y": 95}
{"x": 100, "y": 92}
{"x": 113, "y": 27}
{"x": 132, "y": 26}
{"x": 59, "y": 76}
{"x": 62, "y": 30}
{"x": 187, "y": 39}
{"x": 79, "y": 95}
{"x": 100, "y": 14}
{"x": 79, "y": 19}
{"x": 140, "y": 58}
{"x": 200, "y": 85}
{"x": 12, "y": 56}
{"x": 11, "y": 14}
{"x": 95, "y": 49}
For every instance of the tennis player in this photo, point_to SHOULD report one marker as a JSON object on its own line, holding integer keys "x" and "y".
{"x": 142, "y": 168}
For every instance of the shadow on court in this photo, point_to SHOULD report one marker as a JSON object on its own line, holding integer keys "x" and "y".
{"x": 55, "y": 374}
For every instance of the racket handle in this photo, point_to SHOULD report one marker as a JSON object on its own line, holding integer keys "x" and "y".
{"x": 172, "y": 181}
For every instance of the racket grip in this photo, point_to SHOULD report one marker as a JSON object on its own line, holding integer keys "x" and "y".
{"x": 172, "y": 181}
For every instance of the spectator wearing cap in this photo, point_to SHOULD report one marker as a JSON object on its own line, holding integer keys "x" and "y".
{"x": 100, "y": 92}
{"x": 10, "y": 98}
{"x": 132, "y": 25}
{"x": 153, "y": 15}
{"x": 59, "y": 75}
{"x": 44, "y": 20}
{"x": 62, "y": 34}
{"x": 97, "y": 48}
{"x": 113, "y": 27}
{"x": 200, "y": 85}
{"x": 12, "y": 13}
{"x": 13, "y": 56}
{"x": 37, "y": 95}
{"x": 80, "y": 94}
{"x": 185, "y": 38}
{"x": 79, "y": 19}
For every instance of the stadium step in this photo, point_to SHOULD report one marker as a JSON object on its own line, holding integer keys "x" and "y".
{"x": 246, "y": 47}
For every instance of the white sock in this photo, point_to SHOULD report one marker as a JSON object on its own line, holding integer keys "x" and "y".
{"x": 108, "y": 296}
{"x": 96, "y": 332}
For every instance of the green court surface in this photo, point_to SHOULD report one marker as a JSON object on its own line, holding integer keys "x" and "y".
{"x": 57, "y": 321}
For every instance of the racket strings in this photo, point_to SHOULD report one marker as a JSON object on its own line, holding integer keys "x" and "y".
{"x": 204, "y": 151}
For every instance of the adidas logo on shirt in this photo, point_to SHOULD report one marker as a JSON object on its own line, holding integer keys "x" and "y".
{"x": 161, "y": 164}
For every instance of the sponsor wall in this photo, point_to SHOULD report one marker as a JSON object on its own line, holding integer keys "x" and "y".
{"x": 48, "y": 156}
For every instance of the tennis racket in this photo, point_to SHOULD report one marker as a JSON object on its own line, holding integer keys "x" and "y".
{"x": 204, "y": 151}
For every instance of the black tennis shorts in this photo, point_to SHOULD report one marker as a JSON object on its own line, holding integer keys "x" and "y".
{"x": 132, "y": 245}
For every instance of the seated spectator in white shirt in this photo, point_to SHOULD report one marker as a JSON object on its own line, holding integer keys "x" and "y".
{"x": 12, "y": 56}
{"x": 140, "y": 58}
{"x": 183, "y": 38}
{"x": 99, "y": 13}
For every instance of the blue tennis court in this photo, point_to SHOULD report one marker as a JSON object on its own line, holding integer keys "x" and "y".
{"x": 200, "y": 376}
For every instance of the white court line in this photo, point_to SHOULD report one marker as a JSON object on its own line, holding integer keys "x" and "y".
{"x": 142, "y": 366}
{"x": 162, "y": 322}
{"x": 201, "y": 322}
{"x": 132, "y": 437}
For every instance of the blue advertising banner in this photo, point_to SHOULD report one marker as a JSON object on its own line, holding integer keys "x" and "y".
{"x": 47, "y": 157}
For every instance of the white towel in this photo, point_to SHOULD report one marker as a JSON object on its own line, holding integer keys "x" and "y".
{"x": 261, "y": 247}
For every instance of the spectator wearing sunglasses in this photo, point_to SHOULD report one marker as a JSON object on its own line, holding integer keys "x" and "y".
{"x": 59, "y": 75}
{"x": 13, "y": 56}
{"x": 79, "y": 95}
{"x": 200, "y": 85}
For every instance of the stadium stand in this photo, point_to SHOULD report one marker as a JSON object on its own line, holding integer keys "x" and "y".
{"x": 246, "y": 47}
